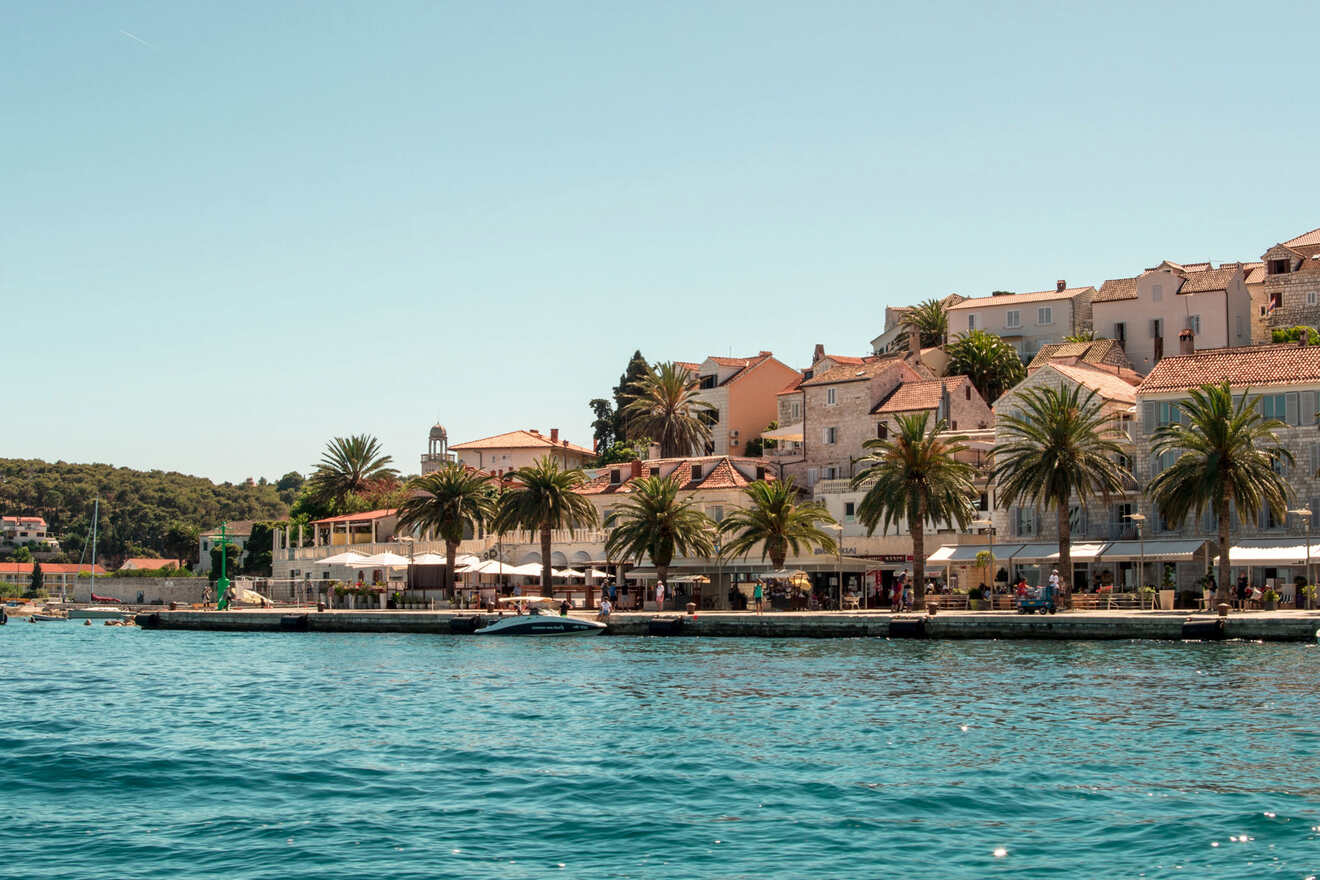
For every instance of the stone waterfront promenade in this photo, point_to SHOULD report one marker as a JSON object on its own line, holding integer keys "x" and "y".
{"x": 1273, "y": 626}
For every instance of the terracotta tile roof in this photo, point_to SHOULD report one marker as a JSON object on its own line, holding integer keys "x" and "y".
{"x": 1255, "y": 272}
{"x": 1110, "y": 386}
{"x": 521, "y": 440}
{"x": 738, "y": 362}
{"x": 981, "y": 302}
{"x": 851, "y": 373}
{"x": 1209, "y": 279}
{"x": 49, "y": 568}
{"x": 1099, "y": 351}
{"x": 724, "y": 475}
{"x": 239, "y": 528}
{"x": 1194, "y": 267}
{"x": 1242, "y": 367}
{"x": 792, "y": 387}
{"x": 689, "y": 366}
{"x": 1305, "y": 240}
{"x": 915, "y": 396}
{"x": 23, "y": 520}
{"x": 1117, "y": 289}
{"x": 143, "y": 563}
{"x": 843, "y": 359}
{"x": 368, "y": 516}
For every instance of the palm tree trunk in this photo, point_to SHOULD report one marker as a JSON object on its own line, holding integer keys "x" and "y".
{"x": 451, "y": 554}
{"x": 1065, "y": 556}
{"x": 547, "y": 588}
{"x": 1221, "y": 590}
{"x": 918, "y": 530}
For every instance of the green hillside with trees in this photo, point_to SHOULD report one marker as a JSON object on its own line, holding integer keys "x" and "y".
{"x": 143, "y": 513}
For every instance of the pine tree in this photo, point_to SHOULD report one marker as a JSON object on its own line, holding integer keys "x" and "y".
{"x": 623, "y": 392}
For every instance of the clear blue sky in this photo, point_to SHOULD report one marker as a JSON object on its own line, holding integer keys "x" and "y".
{"x": 232, "y": 231}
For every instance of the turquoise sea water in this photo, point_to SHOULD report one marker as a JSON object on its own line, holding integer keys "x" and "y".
{"x": 126, "y": 753}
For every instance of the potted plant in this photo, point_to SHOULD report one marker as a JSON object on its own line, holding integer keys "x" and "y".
{"x": 1270, "y": 600}
{"x": 974, "y": 600}
{"x": 1307, "y": 592}
{"x": 1147, "y": 592}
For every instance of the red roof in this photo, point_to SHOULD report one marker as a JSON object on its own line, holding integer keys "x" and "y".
{"x": 49, "y": 568}
{"x": 368, "y": 516}
{"x": 144, "y": 563}
{"x": 24, "y": 520}
{"x": 724, "y": 475}
{"x": 1248, "y": 367}
{"x": 794, "y": 386}
{"x": 521, "y": 440}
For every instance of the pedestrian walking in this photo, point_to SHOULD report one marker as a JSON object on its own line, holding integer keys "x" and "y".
{"x": 758, "y": 596}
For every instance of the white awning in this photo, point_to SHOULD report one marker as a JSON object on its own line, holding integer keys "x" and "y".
{"x": 788, "y": 432}
{"x": 1081, "y": 552}
{"x": 951, "y": 554}
{"x": 381, "y": 560}
{"x": 1028, "y": 553}
{"x": 1166, "y": 550}
{"x": 1284, "y": 552}
{"x": 340, "y": 559}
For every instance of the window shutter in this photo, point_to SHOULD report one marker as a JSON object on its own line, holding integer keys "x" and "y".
{"x": 1290, "y": 406}
{"x": 1148, "y": 417}
{"x": 1307, "y": 415}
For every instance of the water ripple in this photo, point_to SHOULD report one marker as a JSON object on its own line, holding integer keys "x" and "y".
{"x": 187, "y": 755}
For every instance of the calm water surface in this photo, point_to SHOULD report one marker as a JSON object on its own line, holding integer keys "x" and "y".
{"x": 126, "y": 753}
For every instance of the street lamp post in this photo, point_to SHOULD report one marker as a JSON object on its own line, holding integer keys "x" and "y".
{"x": 989, "y": 526}
{"x": 837, "y": 528}
{"x": 1305, "y": 514}
{"x": 1140, "y": 520}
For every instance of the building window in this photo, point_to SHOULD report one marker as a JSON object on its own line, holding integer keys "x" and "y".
{"x": 709, "y": 381}
{"x": 830, "y": 396}
{"x": 1013, "y": 319}
{"x": 1045, "y": 316}
{"x": 967, "y": 392}
{"x": 615, "y": 477}
{"x": 1311, "y": 297}
{"x": 831, "y": 435}
{"x": 849, "y": 511}
{"x": 971, "y": 322}
{"x": 1157, "y": 292}
{"x": 1274, "y": 406}
{"x": 1024, "y": 521}
{"x": 716, "y": 513}
{"x": 984, "y": 503}
{"x": 797, "y": 410}
{"x": 830, "y": 472}
{"x": 1194, "y": 324}
{"x": 655, "y": 471}
{"x": 696, "y": 472}
{"x": 1120, "y": 332}
{"x": 760, "y": 472}
{"x": 882, "y": 430}
{"x": 1278, "y": 267}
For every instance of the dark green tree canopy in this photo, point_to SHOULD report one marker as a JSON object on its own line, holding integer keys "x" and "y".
{"x": 991, "y": 363}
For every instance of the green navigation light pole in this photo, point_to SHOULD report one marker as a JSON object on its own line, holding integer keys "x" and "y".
{"x": 222, "y": 585}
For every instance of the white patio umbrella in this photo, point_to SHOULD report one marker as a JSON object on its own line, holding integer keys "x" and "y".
{"x": 597, "y": 573}
{"x": 381, "y": 560}
{"x": 566, "y": 573}
{"x": 432, "y": 559}
{"x": 530, "y": 569}
{"x": 340, "y": 559}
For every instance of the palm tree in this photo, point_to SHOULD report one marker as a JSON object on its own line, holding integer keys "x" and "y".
{"x": 1058, "y": 445}
{"x": 653, "y": 522}
{"x": 543, "y": 497}
{"x": 991, "y": 363}
{"x": 663, "y": 404}
{"x": 778, "y": 521}
{"x": 915, "y": 477}
{"x": 446, "y": 503}
{"x": 350, "y": 465}
{"x": 1227, "y": 453}
{"x": 931, "y": 320}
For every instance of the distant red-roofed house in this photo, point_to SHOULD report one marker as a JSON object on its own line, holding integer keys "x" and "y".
{"x": 509, "y": 451}
{"x": 142, "y": 563}
{"x": 19, "y": 531}
{"x": 369, "y": 527}
{"x": 56, "y": 576}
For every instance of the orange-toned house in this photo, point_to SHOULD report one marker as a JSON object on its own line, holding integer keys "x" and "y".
{"x": 743, "y": 391}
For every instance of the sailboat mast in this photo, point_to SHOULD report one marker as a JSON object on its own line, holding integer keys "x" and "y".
{"x": 96, "y": 510}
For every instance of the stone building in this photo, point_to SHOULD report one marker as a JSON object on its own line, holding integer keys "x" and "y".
{"x": 507, "y": 452}
{"x": 1292, "y": 281}
{"x": 437, "y": 451}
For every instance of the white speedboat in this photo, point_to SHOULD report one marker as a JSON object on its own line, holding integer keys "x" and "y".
{"x": 531, "y": 618}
